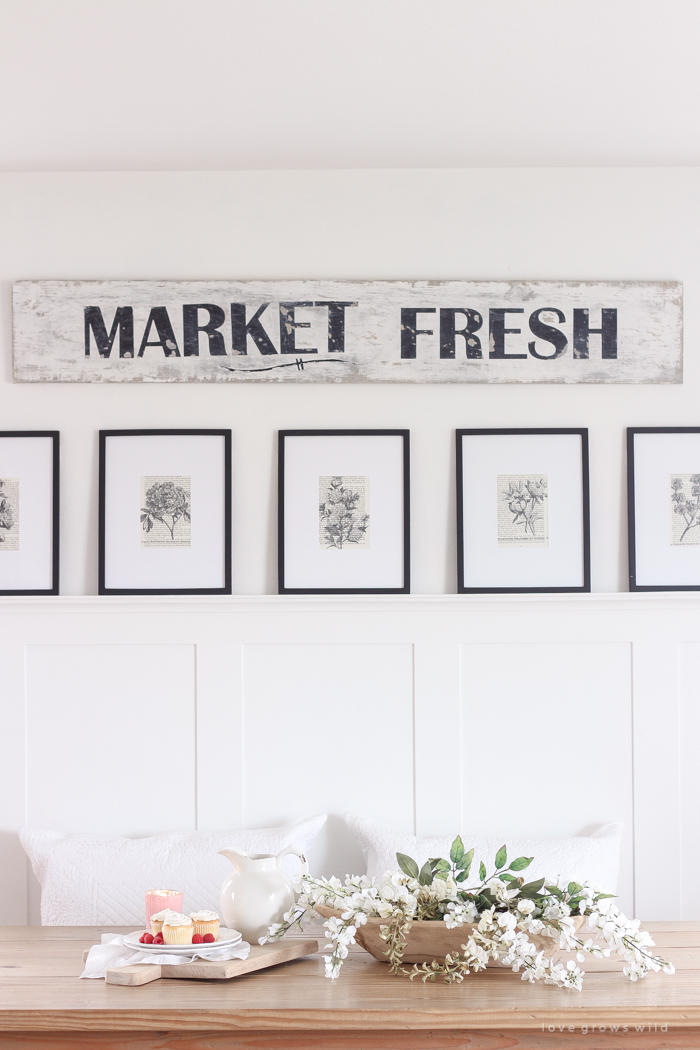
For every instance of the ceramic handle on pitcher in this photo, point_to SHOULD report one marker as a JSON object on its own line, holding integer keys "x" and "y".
{"x": 297, "y": 853}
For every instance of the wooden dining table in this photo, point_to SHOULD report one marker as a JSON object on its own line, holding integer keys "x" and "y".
{"x": 44, "y": 1004}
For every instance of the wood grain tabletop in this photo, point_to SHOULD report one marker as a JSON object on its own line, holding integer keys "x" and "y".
{"x": 42, "y": 1002}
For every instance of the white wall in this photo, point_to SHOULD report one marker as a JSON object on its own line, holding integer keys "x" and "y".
{"x": 231, "y": 84}
{"x": 424, "y": 662}
{"x": 588, "y": 224}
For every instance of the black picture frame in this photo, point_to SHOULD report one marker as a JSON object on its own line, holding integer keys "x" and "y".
{"x": 104, "y": 435}
{"x": 632, "y": 432}
{"x": 405, "y": 588}
{"x": 585, "y": 508}
{"x": 55, "y": 437}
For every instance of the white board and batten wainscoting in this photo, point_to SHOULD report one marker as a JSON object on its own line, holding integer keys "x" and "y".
{"x": 519, "y": 715}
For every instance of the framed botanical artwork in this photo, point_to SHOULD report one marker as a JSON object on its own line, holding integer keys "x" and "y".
{"x": 343, "y": 512}
{"x": 523, "y": 521}
{"x": 663, "y": 508}
{"x": 165, "y": 512}
{"x": 29, "y": 512}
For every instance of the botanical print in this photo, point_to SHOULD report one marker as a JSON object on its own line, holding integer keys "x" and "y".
{"x": 343, "y": 513}
{"x": 685, "y": 510}
{"x": 165, "y": 512}
{"x": 522, "y": 510}
{"x": 9, "y": 514}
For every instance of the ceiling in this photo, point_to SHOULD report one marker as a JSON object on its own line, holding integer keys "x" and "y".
{"x": 227, "y": 84}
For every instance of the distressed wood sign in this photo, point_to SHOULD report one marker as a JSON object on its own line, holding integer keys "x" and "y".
{"x": 348, "y": 332}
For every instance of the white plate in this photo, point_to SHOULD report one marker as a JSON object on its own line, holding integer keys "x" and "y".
{"x": 226, "y": 938}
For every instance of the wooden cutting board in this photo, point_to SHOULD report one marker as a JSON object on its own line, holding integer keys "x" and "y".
{"x": 261, "y": 956}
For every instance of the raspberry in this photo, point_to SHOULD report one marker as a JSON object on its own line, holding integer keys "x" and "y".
{"x": 142, "y": 938}
{"x": 158, "y": 939}
{"x": 208, "y": 938}
{"x": 147, "y": 938}
{"x": 196, "y": 938}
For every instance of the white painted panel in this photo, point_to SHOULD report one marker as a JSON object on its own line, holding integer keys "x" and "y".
{"x": 547, "y": 742}
{"x": 328, "y": 729}
{"x": 110, "y": 737}
{"x": 689, "y": 763}
{"x": 219, "y": 728}
{"x": 656, "y": 782}
{"x": 13, "y": 870}
{"x": 438, "y": 739}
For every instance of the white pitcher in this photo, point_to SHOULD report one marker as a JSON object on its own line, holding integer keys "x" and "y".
{"x": 258, "y": 892}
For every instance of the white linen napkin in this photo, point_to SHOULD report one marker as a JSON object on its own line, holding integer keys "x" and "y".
{"x": 112, "y": 952}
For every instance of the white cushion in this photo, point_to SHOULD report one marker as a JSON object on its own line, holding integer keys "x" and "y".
{"x": 591, "y": 858}
{"x": 100, "y": 880}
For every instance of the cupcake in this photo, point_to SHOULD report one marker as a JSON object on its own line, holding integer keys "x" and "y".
{"x": 159, "y": 918}
{"x": 177, "y": 929}
{"x": 205, "y": 922}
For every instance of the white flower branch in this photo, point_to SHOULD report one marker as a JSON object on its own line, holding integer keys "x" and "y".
{"x": 501, "y": 913}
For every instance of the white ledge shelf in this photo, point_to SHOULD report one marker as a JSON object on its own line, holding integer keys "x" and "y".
{"x": 406, "y": 603}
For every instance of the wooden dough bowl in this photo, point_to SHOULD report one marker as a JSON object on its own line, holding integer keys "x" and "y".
{"x": 428, "y": 940}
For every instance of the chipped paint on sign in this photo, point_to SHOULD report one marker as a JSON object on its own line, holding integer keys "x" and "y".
{"x": 348, "y": 332}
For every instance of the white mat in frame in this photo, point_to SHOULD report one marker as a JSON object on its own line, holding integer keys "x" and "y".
{"x": 152, "y": 484}
{"x": 343, "y": 512}
{"x": 523, "y": 522}
{"x": 29, "y": 512}
{"x": 663, "y": 508}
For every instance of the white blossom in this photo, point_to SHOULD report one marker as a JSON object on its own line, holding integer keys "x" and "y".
{"x": 502, "y": 891}
{"x": 501, "y": 932}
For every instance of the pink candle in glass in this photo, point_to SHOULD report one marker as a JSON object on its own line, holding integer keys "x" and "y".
{"x": 157, "y": 900}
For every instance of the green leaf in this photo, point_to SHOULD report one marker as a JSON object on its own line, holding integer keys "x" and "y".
{"x": 457, "y": 850}
{"x": 426, "y": 874}
{"x": 520, "y": 863}
{"x": 441, "y": 865}
{"x": 574, "y": 888}
{"x": 467, "y": 862}
{"x": 462, "y": 876}
{"x": 482, "y": 871}
{"x": 531, "y": 888}
{"x": 501, "y": 858}
{"x": 408, "y": 865}
{"x": 507, "y": 877}
{"x": 441, "y": 875}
